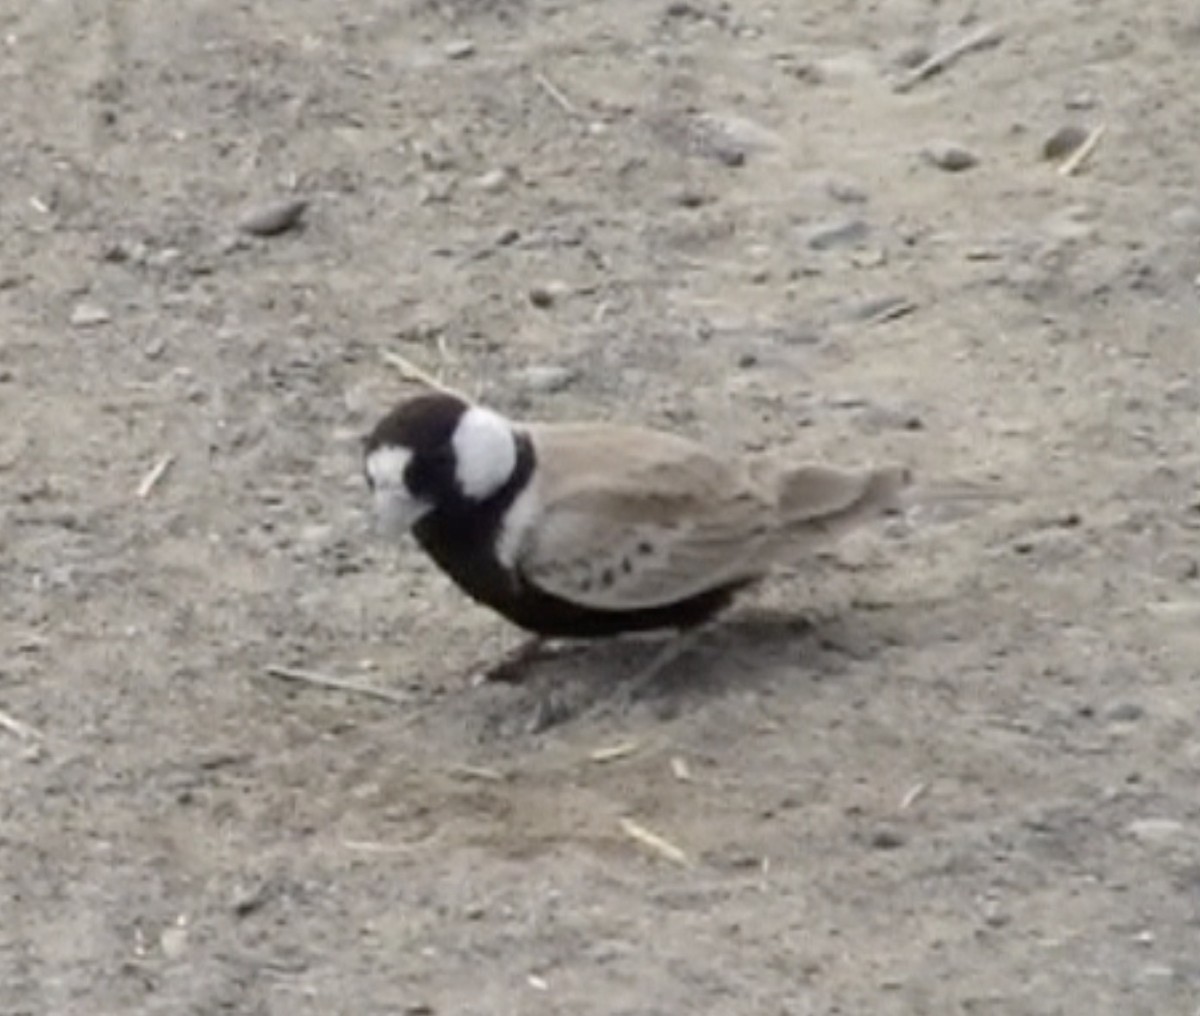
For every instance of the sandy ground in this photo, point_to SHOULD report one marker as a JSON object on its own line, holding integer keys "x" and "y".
{"x": 954, "y": 773}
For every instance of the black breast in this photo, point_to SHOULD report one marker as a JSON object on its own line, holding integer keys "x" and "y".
{"x": 461, "y": 537}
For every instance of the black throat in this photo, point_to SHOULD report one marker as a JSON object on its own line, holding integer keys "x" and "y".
{"x": 461, "y": 534}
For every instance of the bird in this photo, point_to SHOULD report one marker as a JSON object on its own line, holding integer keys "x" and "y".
{"x": 588, "y": 530}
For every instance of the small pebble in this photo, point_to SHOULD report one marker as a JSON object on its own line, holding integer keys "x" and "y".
{"x": 544, "y": 296}
{"x": 732, "y": 139}
{"x": 800, "y": 335}
{"x": 950, "y": 156}
{"x": 273, "y": 219}
{"x": 437, "y": 191}
{"x": 435, "y": 156}
{"x": 877, "y": 417}
{"x": 839, "y": 233}
{"x": 994, "y": 916}
{"x": 1155, "y": 831}
{"x": 493, "y": 181}
{"x": 847, "y": 192}
{"x": 1063, "y": 142}
{"x": 852, "y": 68}
{"x": 164, "y": 258}
{"x": 115, "y": 253}
{"x": 876, "y": 258}
{"x": 1185, "y": 219}
{"x": 173, "y": 942}
{"x": 727, "y": 153}
{"x": 459, "y": 49}
{"x": 692, "y": 199}
{"x": 1125, "y": 712}
{"x": 886, "y": 838}
{"x": 250, "y": 899}
{"x": 89, "y": 315}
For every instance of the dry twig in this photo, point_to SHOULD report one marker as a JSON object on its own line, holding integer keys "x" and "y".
{"x": 984, "y": 37}
{"x": 152, "y": 478}
{"x": 334, "y": 683}
{"x": 664, "y": 848}
{"x": 614, "y": 751}
{"x": 374, "y": 847}
{"x": 478, "y": 773}
{"x": 18, "y": 727}
{"x": 913, "y": 795}
{"x": 1081, "y": 154}
{"x": 411, "y": 372}
{"x": 556, "y": 93}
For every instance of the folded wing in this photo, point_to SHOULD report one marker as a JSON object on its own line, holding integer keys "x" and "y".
{"x": 630, "y": 519}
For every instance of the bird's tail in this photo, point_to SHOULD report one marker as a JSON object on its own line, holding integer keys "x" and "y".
{"x": 819, "y": 504}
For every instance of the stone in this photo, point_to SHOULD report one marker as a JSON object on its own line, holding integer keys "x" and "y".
{"x": 1063, "y": 142}
{"x": 459, "y": 49}
{"x": 950, "y": 156}
{"x": 837, "y": 233}
{"x": 89, "y": 315}
{"x": 1155, "y": 831}
{"x": 273, "y": 219}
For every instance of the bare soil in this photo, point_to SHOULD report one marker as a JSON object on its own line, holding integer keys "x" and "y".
{"x": 954, "y": 772}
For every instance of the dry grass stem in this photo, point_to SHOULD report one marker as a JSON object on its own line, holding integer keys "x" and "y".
{"x": 652, "y": 841}
{"x": 614, "y": 751}
{"x": 154, "y": 477}
{"x": 984, "y": 37}
{"x": 1077, "y": 158}
{"x": 18, "y": 727}
{"x": 316, "y": 680}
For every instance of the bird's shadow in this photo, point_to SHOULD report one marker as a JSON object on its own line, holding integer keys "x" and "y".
{"x": 750, "y": 649}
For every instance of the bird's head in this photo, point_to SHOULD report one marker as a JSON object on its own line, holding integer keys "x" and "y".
{"x": 436, "y": 452}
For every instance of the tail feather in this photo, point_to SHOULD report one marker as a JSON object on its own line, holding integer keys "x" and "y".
{"x": 820, "y": 503}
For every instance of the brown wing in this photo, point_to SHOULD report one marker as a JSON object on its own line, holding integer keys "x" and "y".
{"x": 820, "y": 503}
{"x": 629, "y": 518}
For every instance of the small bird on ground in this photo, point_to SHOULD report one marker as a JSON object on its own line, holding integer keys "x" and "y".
{"x": 586, "y": 530}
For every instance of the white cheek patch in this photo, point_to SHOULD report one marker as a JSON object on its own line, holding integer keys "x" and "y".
{"x": 485, "y": 452}
{"x": 395, "y": 508}
{"x": 385, "y": 467}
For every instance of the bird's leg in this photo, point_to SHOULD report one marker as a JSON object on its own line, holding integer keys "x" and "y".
{"x": 670, "y": 651}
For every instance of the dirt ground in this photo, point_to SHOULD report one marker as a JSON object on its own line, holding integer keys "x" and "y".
{"x": 954, "y": 772}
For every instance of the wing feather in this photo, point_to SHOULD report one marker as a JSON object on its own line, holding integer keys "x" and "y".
{"x": 631, "y": 519}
